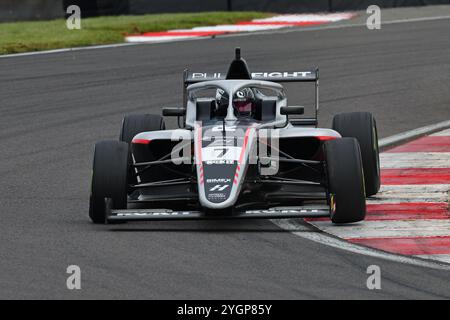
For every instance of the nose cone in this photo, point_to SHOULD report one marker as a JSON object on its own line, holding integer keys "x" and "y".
{"x": 221, "y": 161}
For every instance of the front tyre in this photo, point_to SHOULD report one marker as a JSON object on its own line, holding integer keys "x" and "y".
{"x": 109, "y": 178}
{"x": 362, "y": 126}
{"x": 345, "y": 177}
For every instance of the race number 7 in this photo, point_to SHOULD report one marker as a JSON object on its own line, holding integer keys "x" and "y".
{"x": 221, "y": 152}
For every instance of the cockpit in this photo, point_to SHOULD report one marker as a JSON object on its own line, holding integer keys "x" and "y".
{"x": 256, "y": 100}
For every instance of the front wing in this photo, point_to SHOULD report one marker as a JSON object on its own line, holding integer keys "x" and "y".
{"x": 165, "y": 215}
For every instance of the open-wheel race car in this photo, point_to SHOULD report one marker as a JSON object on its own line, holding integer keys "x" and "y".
{"x": 240, "y": 152}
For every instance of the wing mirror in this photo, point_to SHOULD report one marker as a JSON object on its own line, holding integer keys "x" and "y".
{"x": 297, "y": 110}
{"x": 173, "y": 112}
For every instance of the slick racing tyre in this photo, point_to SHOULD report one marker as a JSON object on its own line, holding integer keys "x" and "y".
{"x": 109, "y": 179}
{"x": 362, "y": 126}
{"x": 345, "y": 180}
{"x": 131, "y": 126}
{"x": 137, "y": 123}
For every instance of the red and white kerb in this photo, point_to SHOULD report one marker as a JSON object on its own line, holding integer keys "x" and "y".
{"x": 410, "y": 215}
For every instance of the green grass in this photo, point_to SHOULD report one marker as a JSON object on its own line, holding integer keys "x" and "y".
{"x": 19, "y": 37}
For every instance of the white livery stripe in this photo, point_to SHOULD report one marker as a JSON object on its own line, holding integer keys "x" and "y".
{"x": 415, "y": 160}
{"x": 388, "y": 229}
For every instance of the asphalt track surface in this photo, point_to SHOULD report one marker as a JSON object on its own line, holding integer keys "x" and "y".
{"x": 54, "y": 107}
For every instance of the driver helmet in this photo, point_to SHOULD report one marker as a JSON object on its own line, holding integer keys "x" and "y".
{"x": 244, "y": 102}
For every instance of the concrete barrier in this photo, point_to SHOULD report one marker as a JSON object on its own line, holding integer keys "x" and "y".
{"x": 17, "y": 10}
{"x": 279, "y": 6}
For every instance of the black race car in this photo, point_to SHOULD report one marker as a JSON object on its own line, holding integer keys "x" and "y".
{"x": 239, "y": 152}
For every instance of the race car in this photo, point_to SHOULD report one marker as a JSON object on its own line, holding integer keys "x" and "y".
{"x": 240, "y": 152}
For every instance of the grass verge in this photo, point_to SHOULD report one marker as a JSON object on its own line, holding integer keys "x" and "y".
{"x": 28, "y": 36}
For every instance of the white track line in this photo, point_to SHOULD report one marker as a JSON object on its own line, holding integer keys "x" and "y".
{"x": 320, "y": 237}
{"x": 415, "y": 160}
{"x": 441, "y": 133}
{"x": 387, "y": 229}
{"x": 440, "y": 257}
{"x": 409, "y": 135}
{"x": 106, "y": 46}
{"x": 286, "y": 30}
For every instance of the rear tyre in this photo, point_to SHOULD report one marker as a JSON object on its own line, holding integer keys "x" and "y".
{"x": 345, "y": 180}
{"x": 137, "y": 123}
{"x": 131, "y": 126}
{"x": 362, "y": 126}
{"x": 109, "y": 179}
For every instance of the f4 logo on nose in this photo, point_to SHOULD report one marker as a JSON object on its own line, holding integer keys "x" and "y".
{"x": 219, "y": 187}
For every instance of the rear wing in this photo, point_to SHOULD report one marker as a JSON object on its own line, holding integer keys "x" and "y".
{"x": 190, "y": 77}
{"x": 239, "y": 70}
{"x": 276, "y": 76}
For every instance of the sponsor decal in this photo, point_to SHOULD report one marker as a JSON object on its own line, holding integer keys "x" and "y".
{"x": 217, "y": 197}
{"x": 294, "y": 74}
{"x": 203, "y": 75}
{"x": 219, "y": 187}
{"x": 219, "y": 162}
{"x": 218, "y": 180}
{"x": 282, "y": 211}
{"x": 268, "y": 75}
{"x": 154, "y": 213}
